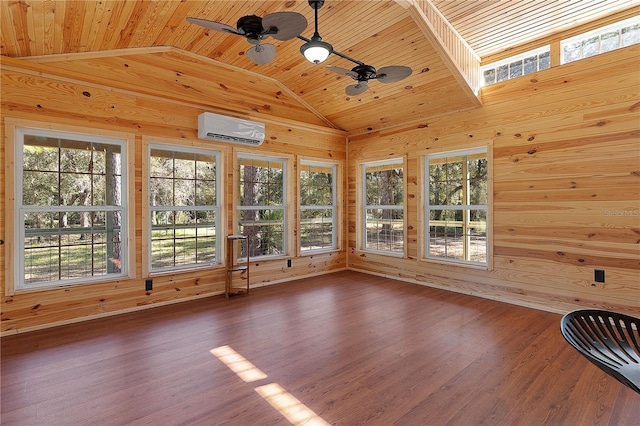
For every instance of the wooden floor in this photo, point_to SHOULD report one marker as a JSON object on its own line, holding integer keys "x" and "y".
{"x": 345, "y": 348}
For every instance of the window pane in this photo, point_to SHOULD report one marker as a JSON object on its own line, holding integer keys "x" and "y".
{"x": 384, "y": 186}
{"x": 205, "y": 193}
{"x": 489, "y": 76}
{"x": 530, "y": 64}
{"x": 183, "y": 235}
{"x": 544, "y": 61}
{"x": 316, "y": 187}
{"x": 316, "y": 229}
{"x": 502, "y": 73}
{"x": 515, "y": 69}
{"x": 43, "y": 188}
{"x": 261, "y": 182}
{"x": 631, "y": 35}
{"x": 590, "y": 47}
{"x": 261, "y": 185}
{"x": 64, "y": 244}
{"x": 609, "y": 41}
{"x": 477, "y": 170}
{"x": 385, "y": 229}
{"x": 184, "y": 192}
{"x": 571, "y": 52}
{"x": 458, "y": 232}
{"x": 161, "y": 192}
{"x": 40, "y": 153}
{"x": 478, "y": 236}
{"x": 316, "y": 224}
{"x": 266, "y": 231}
{"x": 445, "y": 234}
{"x": 70, "y": 245}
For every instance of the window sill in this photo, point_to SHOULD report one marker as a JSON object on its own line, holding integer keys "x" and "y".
{"x": 456, "y": 263}
{"x": 319, "y": 252}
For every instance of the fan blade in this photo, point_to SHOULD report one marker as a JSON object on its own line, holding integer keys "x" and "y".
{"x": 356, "y": 89}
{"x": 343, "y": 71}
{"x": 262, "y": 53}
{"x": 213, "y": 25}
{"x": 393, "y": 73}
{"x": 289, "y": 24}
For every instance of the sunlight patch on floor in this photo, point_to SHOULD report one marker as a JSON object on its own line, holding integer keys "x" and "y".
{"x": 286, "y": 404}
{"x": 238, "y": 364}
{"x": 292, "y": 409}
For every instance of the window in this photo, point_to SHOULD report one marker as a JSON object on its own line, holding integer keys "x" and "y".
{"x": 261, "y": 204}
{"x": 456, "y": 206}
{"x": 383, "y": 213}
{"x": 605, "y": 39}
{"x": 184, "y": 207}
{"x": 70, "y": 203}
{"x": 516, "y": 66}
{"x": 317, "y": 206}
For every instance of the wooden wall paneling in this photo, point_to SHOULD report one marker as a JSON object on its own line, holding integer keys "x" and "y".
{"x": 566, "y": 164}
{"x": 67, "y": 102}
{"x": 173, "y": 74}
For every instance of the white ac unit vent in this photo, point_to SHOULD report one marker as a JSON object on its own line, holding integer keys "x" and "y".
{"x": 221, "y": 128}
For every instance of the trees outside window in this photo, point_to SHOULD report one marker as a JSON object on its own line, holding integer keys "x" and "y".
{"x": 70, "y": 221}
{"x": 317, "y": 183}
{"x": 262, "y": 203}
{"x": 383, "y": 209}
{"x": 456, "y": 206}
{"x": 184, "y": 207}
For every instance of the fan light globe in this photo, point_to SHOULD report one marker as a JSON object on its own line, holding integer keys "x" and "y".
{"x": 316, "y": 50}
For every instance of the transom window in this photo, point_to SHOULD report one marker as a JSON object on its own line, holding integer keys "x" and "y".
{"x": 605, "y": 39}
{"x": 456, "y": 206}
{"x": 383, "y": 210}
{"x": 317, "y": 206}
{"x": 184, "y": 207}
{"x": 261, "y": 204}
{"x": 516, "y": 66}
{"x": 70, "y": 200}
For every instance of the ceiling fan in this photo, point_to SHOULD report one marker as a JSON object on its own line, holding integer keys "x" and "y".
{"x": 362, "y": 73}
{"x": 316, "y": 51}
{"x": 279, "y": 25}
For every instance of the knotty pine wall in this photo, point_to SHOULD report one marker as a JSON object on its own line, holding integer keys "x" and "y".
{"x": 26, "y": 94}
{"x": 565, "y": 144}
{"x": 566, "y": 190}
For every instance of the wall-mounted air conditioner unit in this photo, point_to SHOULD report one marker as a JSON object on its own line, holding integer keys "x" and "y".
{"x": 215, "y": 127}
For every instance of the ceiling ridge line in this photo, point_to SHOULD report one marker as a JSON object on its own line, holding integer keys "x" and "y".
{"x": 262, "y": 76}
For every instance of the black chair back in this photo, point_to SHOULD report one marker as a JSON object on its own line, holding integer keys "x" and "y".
{"x": 609, "y": 340}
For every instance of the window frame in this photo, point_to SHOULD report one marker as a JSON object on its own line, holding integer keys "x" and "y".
{"x": 219, "y": 153}
{"x": 334, "y": 166}
{"x": 597, "y": 32}
{"x": 287, "y": 196}
{"x": 512, "y": 59}
{"x": 425, "y": 179}
{"x": 363, "y": 206}
{"x": 15, "y": 232}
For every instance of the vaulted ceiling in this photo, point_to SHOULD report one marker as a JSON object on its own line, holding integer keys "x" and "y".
{"x": 149, "y": 47}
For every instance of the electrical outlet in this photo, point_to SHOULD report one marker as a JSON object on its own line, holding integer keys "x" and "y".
{"x": 598, "y": 275}
{"x": 148, "y": 285}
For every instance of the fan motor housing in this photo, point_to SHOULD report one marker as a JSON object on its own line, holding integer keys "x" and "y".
{"x": 365, "y": 72}
{"x": 250, "y": 26}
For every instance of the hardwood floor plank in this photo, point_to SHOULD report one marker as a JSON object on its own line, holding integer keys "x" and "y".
{"x": 349, "y": 347}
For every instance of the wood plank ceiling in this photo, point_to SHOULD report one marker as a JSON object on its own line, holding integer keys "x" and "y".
{"x": 150, "y": 47}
